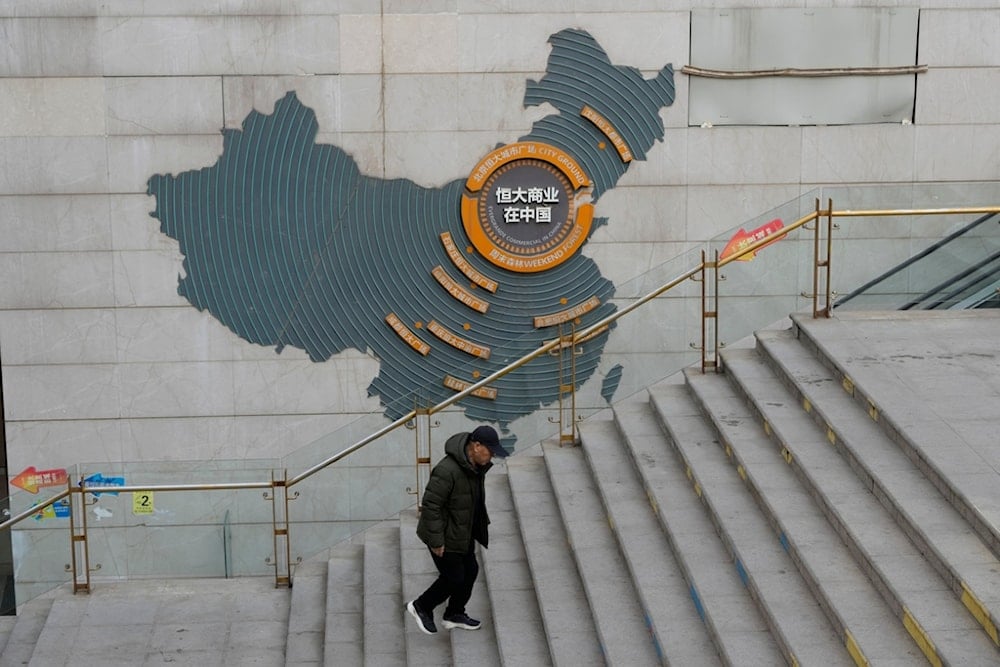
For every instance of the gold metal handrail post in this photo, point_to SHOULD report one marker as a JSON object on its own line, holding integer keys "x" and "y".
{"x": 280, "y": 524}
{"x": 422, "y": 449}
{"x": 79, "y": 547}
{"x": 829, "y": 258}
{"x": 709, "y": 311}
{"x": 821, "y": 260}
{"x": 567, "y": 388}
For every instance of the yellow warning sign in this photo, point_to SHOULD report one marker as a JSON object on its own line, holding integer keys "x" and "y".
{"x": 142, "y": 502}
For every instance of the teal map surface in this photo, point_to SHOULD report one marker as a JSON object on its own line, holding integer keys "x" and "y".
{"x": 287, "y": 243}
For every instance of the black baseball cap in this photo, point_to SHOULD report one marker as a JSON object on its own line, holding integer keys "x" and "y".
{"x": 487, "y": 436}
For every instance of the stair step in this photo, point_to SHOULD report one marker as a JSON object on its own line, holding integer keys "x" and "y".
{"x": 853, "y": 605}
{"x": 6, "y": 626}
{"x": 793, "y": 614}
{"x": 24, "y": 635}
{"x": 736, "y": 625}
{"x": 929, "y": 518}
{"x": 620, "y": 621}
{"x": 672, "y": 616}
{"x": 957, "y": 452}
{"x": 386, "y": 640}
{"x": 566, "y": 616}
{"x": 514, "y": 606}
{"x": 920, "y": 599}
{"x": 344, "y": 631}
{"x": 306, "y": 624}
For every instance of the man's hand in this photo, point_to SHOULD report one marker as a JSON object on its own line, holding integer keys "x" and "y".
{"x": 438, "y": 551}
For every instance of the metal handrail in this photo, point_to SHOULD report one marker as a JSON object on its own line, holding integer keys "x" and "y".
{"x": 280, "y": 517}
{"x": 34, "y": 509}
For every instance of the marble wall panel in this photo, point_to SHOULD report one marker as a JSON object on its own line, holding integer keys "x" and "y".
{"x": 56, "y": 280}
{"x": 171, "y": 334}
{"x": 58, "y": 336}
{"x": 30, "y": 8}
{"x": 366, "y": 148}
{"x": 758, "y": 155}
{"x": 256, "y": 436}
{"x": 421, "y": 43}
{"x": 622, "y": 262}
{"x": 303, "y": 387}
{"x": 957, "y": 152}
{"x": 508, "y": 43}
{"x": 53, "y": 165}
{"x": 958, "y": 96}
{"x": 495, "y": 100}
{"x": 432, "y": 159}
{"x": 147, "y": 278}
{"x": 666, "y": 162}
{"x": 132, "y": 226}
{"x": 714, "y": 210}
{"x": 181, "y": 439}
{"x": 164, "y": 105}
{"x": 360, "y": 44}
{"x": 184, "y": 7}
{"x": 176, "y": 389}
{"x": 51, "y": 47}
{"x": 227, "y": 438}
{"x": 641, "y": 215}
{"x": 65, "y": 223}
{"x": 132, "y": 160}
{"x": 322, "y": 94}
{"x": 959, "y": 38}
{"x": 52, "y": 107}
{"x": 361, "y": 103}
{"x": 47, "y": 392}
{"x": 422, "y": 102}
{"x": 234, "y": 44}
{"x": 58, "y": 443}
{"x": 864, "y": 154}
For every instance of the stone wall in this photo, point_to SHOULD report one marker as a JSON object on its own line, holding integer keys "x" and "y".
{"x": 103, "y": 362}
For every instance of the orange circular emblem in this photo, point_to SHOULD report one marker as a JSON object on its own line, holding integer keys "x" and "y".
{"x": 526, "y": 207}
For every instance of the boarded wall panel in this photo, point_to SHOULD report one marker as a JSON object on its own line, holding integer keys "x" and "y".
{"x": 739, "y": 40}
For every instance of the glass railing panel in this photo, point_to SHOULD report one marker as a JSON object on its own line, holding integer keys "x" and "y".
{"x": 911, "y": 196}
{"x": 346, "y": 497}
{"x": 760, "y": 290}
{"x": 40, "y": 545}
{"x": 884, "y": 263}
{"x": 200, "y": 533}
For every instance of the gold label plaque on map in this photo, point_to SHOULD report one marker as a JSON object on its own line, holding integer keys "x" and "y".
{"x": 404, "y": 332}
{"x": 608, "y": 130}
{"x": 457, "y": 291}
{"x": 463, "y": 265}
{"x": 567, "y": 315}
{"x": 461, "y": 385}
{"x": 457, "y": 341}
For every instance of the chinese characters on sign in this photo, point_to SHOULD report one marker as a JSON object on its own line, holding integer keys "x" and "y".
{"x": 537, "y": 202}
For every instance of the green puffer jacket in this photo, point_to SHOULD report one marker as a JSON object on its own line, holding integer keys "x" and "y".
{"x": 448, "y": 513}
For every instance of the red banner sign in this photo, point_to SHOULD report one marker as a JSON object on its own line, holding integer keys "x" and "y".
{"x": 31, "y": 480}
{"x": 743, "y": 239}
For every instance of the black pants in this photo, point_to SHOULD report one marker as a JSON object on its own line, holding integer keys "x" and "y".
{"x": 457, "y": 575}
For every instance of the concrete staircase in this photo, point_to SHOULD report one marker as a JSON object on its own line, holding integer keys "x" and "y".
{"x": 806, "y": 506}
